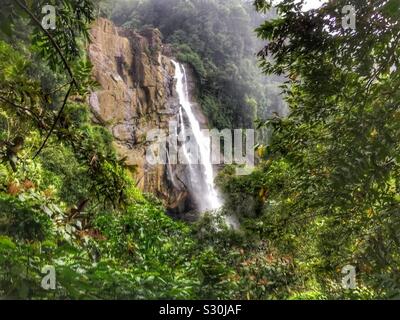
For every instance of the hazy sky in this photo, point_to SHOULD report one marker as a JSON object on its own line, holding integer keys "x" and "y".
{"x": 313, "y": 4}
{"x": 310, "y": 4}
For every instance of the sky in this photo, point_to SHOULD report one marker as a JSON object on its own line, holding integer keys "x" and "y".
{"x": 311, "y": 4}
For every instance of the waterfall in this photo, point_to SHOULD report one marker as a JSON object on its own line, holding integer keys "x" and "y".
{"x": 197, "y": 151}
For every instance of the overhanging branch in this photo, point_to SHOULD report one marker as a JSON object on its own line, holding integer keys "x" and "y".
{"x": 53, "y": 42}
{"x": 55, "y": 121}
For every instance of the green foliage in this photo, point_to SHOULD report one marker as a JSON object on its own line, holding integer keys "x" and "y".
{"x": 187, "y": 55}
{"x": 212, "y": 109}
{"x": 63, "y": 171}
{"x": 243, "y": 196}
{"x": 23, "y": 218}
{"x": 324, "y": 194}
{"x": 73, "y": 205}
{"x": 138, "y": 254}
{"x": 246, "y": 267}
{"x": 329, "y": 179}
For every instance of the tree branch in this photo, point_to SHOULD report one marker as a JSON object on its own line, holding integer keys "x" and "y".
{"x": 53, "y": 42}
{"x": 55, "y": 121}
{"x": 34, "y": 115}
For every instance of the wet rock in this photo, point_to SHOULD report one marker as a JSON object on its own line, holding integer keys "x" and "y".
{"x": 136, "y": 96}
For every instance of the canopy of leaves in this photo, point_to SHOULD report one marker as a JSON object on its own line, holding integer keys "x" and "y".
{"x": 330, "y": 178}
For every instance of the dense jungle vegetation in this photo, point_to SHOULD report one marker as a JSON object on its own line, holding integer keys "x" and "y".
{"x": 324, "y": 194}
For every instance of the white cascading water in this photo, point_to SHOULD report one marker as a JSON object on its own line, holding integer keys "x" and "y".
{"x": 201, "y": 177}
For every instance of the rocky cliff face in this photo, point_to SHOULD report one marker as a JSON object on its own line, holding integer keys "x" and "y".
{"x": 137, "y": 95}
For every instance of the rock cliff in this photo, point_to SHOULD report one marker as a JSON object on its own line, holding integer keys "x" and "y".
{"x": 137, "y": 95}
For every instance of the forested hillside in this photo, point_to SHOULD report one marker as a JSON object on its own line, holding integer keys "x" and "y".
{"x": 217, "y": 39}
{"x": 324, "y": 194}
